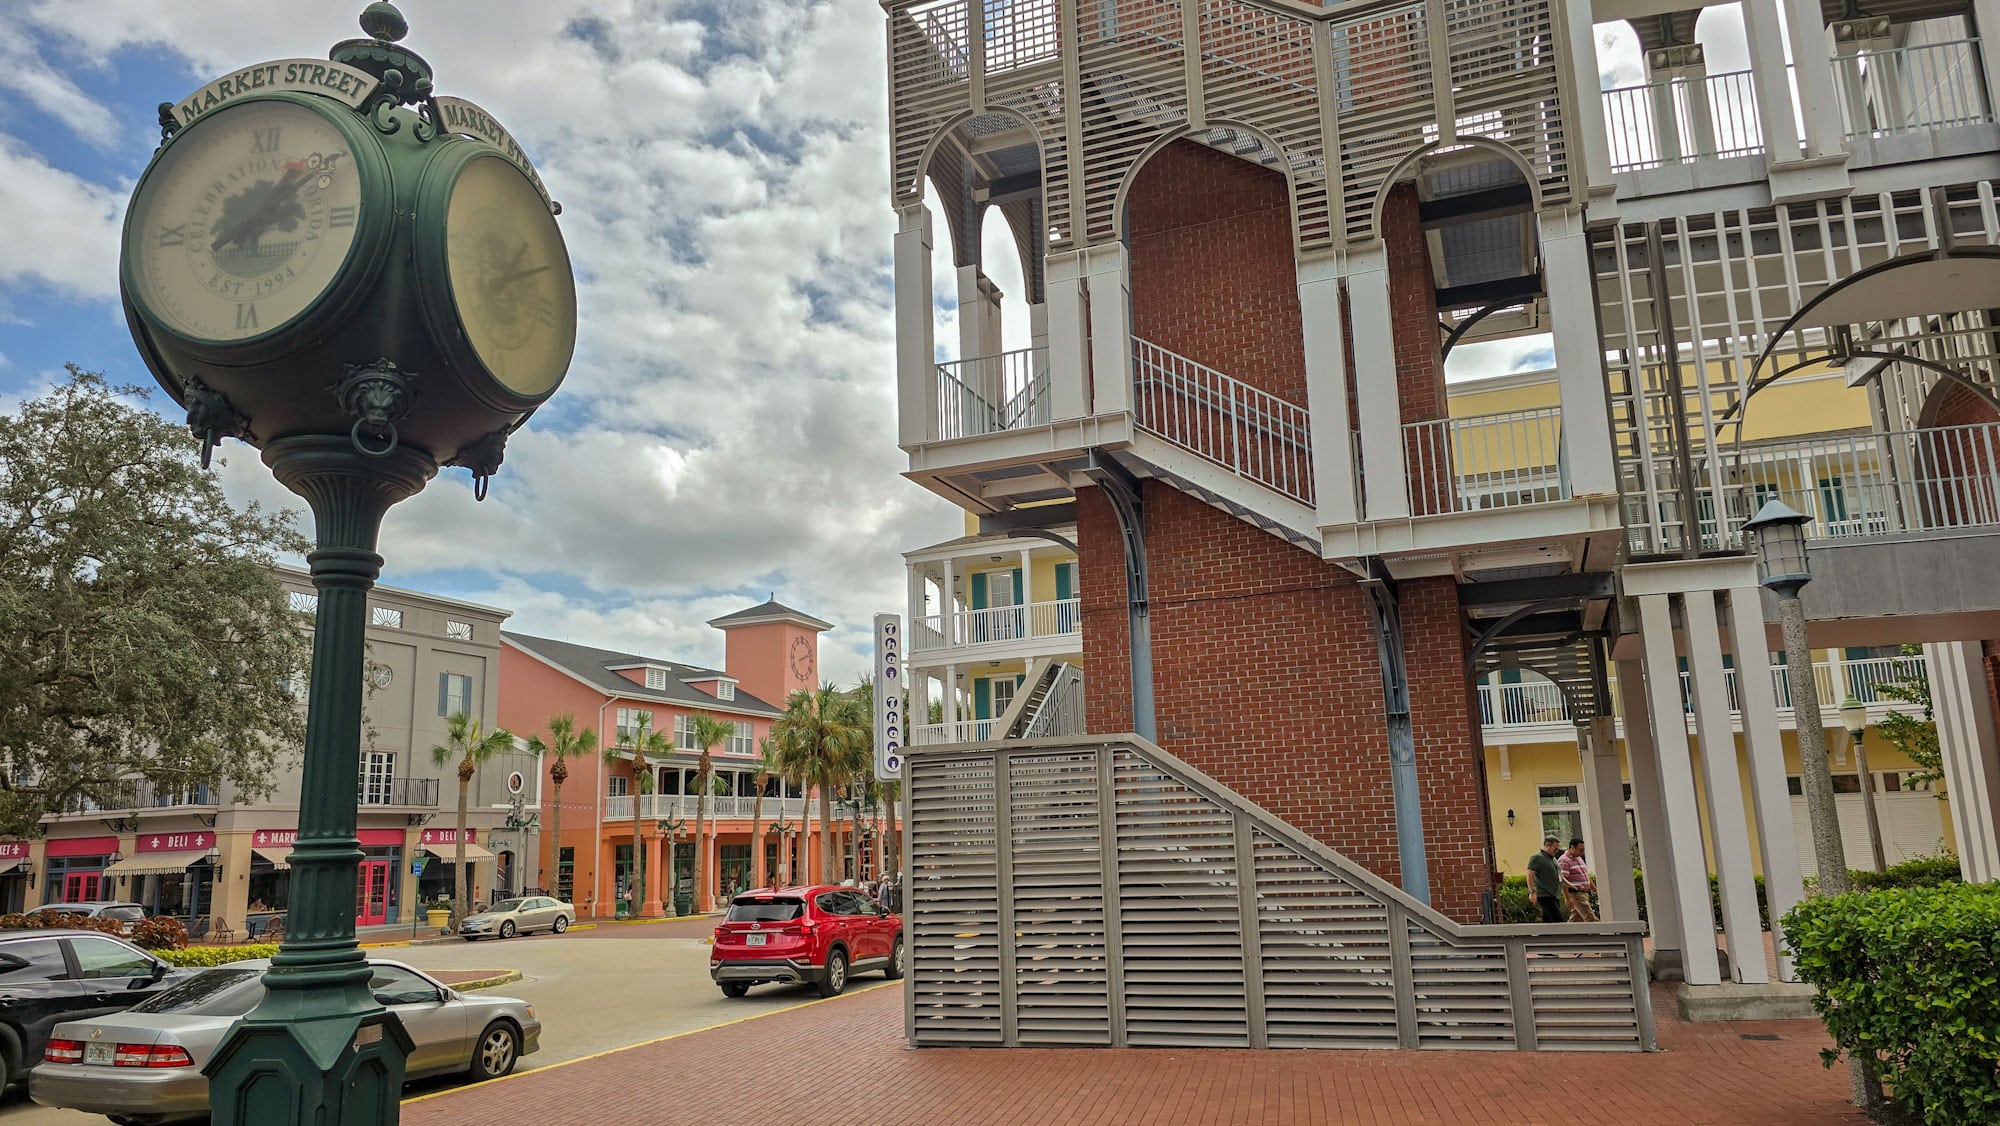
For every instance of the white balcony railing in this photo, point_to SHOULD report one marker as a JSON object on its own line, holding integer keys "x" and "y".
{"x": 1250, "y": 432}
{"x": 1868, "y": 484}
{"x": 1539, "y": 702}
{"x": 1057, "y": 619}
{"x": 1911, "y": 89}
{"x": 953, "y": 731}
{"x": 1677, "y": 120}
{"x": 989, "y": 394}
{"x": 1486, "y": 461}
{"x": 618, "y": 807}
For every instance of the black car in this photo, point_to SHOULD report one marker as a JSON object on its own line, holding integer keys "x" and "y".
{"x": 48, "y": 976}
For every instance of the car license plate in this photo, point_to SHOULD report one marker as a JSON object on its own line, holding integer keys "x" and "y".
{"x": 99, "y": 1053}
{"x": 750, "y": 940}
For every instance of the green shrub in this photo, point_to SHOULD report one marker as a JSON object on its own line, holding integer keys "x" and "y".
{"x": 1715, "y": 901}
{"x": 219, "y": 955}
{"x": 1513, "y": 904}
{"x": 1921, "y": 872}
{"x": 1908, "y": 977}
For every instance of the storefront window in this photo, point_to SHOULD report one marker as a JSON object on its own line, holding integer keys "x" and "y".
{"x": 566, "y": 875}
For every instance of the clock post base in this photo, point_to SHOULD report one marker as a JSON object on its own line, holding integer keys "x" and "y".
{"x": 319, "y": 1049}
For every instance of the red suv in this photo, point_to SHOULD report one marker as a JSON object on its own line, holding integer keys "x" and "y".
{"x": 796, "y": 935}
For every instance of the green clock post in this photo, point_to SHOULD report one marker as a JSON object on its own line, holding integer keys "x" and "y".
{"x": 363, "y": 279}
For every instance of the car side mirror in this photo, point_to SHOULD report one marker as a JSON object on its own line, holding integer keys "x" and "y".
{"x": 159, "y": 970}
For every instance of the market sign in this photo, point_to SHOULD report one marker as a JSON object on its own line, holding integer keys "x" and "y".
{"x": 13, "y": 850}
{"x": 275, "y": 838}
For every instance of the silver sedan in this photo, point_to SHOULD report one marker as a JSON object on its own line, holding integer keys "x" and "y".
{"x": 522, "y": 915}
{"x": 144, "y": 1065}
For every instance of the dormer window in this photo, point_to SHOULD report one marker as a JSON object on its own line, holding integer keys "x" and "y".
{"x": 725, "y": 690}
{"x": 656, "y": 679}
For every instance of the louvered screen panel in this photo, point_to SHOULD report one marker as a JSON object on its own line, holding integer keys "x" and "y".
{"x": 928, "y": 67}
{"x": 1328, "y": 977}
{"x": 1583, "y": 996}
{"x": 1040, "y": 103}
{"x": 952, "y": 914}
{"x": 1179, "y": 913}
{"x": 1381, "y": 67}
{"x": 1257, "y": 69}
{"x": 1461, "y": 992}
{"x": 1061, "y": 983}
{"x": 1133, "y": 91}
{"x": 1505, "y": 76}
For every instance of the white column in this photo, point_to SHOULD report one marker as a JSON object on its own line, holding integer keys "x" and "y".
{"x": 1971, "y": 753}
{"x": 1326, "y": 391}
{"x": 1666, "y": 117}
{"x": 916, "y": 346}
{"x": 1586, "y": 105}
{"x": 913, "y": 596}
{"x": 1683, "y": 835}
{"x": 1068, "y": 341}
{"x": 1110, "y": 292}
{"x": 1769, "y": 798}
{"x": 1766, "y": 42}
{"x": 1605, "y": 842}
{"x": 1819, "y": 105}
{"x": 1027, "y": 595}
{"x": 1986, "y": 17}
{"x": 1586, "y": 411}
{"x": 1386, "y": 492}
{"x": 1656, "y": 858}
{"x": 1701, "y": 120}
{"x": 1728, "y": 828}
{"x": 948, "y": 606}
{"x": 1038, "y": 324}
{"x": 979, "y": 337}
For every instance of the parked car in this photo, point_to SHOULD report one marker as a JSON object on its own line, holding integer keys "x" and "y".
{"x": 126, "y": 913}
{"x": 144, "y": 1065}
{"x": 523, "y": 915}
{"x": 47, "y": 976}
{"x": 822, "y": 935}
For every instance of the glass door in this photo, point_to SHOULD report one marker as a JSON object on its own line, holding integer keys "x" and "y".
{"x": 80, "y": 887}
{"x": 371, "y": 894}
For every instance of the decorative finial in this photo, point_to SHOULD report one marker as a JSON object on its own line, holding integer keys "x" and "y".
{"x": 384, "y": 22}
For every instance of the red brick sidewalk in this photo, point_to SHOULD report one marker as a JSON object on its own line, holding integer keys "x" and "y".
{"x": 848, "y": 1054}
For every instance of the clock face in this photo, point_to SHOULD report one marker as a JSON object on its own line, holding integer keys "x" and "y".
{"x": 382, "y": 675}
{"x": 510, "y": 277}
{"x": 802, "y": 659}
{"x": 246, "y": 218}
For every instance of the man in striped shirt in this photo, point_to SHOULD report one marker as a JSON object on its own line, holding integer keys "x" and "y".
{"x": 1576, "y": 883}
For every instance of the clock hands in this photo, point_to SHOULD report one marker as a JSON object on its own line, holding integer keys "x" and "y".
{"x": 505, "y": 280}
{"x": 297, "y": 173}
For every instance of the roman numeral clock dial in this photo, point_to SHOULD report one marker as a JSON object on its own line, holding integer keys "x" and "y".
{"x": 244, "y": 221}
{"x": 510, "y": 277}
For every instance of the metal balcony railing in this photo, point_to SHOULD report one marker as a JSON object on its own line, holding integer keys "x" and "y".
{"x": 422, "y": 792}
{"x": 953, "y": 731}
{"x": 1487, "y": 461}
{"x": 1250, "y": 432}
{"x": 990, "y": 394}
{"x": 1529, "y": 703}
{"x": 670, "y": 806}
{"x": 1869, "y": 484}
{"x": 1061, "y": 618}
{"x": 1911, "y": 89}
{"x": 1676, "y": 120}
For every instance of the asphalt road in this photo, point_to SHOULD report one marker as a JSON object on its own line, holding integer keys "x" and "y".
{"x": 594, "y": 991}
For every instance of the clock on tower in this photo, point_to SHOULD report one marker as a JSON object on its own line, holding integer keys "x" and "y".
{"x": 802, "y": 661}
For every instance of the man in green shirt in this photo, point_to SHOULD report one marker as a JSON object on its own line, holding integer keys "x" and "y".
{"x": 1545, "y": 880}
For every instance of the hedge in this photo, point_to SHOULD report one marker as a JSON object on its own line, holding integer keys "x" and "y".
{"x": 220, "y": 955}
{"x": 1922, "y": 872}
{"x": 1908, "y": 977}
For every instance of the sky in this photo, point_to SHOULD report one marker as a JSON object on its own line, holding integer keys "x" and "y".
{"x": 726, "y": 431}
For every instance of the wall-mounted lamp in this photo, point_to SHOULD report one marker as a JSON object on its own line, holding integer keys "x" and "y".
{"x": 1510, "y": 818}
{"x": 31, "y": 878}
{"x": 214, "y": 859}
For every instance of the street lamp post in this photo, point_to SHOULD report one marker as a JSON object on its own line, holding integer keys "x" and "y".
{"x": 364, "y": 280}
{"x": 1854, "y": 717}
{"x": 1783, "y": 568}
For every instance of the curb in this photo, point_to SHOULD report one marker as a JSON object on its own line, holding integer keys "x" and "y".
{"x": 505, "y": 977}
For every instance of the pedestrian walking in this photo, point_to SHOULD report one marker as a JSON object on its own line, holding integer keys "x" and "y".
{"x": 1576, "y": 883}
{"x": 1545, "y": 880}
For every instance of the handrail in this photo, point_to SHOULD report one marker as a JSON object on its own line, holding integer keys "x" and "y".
{"x": 1911, "y": 88}
{"x": 1539, "y": 702}
{"x": 1056, "y": 618}
{"x": 1249, "y": 431}
{"x": 1500, "y": 460}
{"x": 1019, "y": 380}
{"x": 1681, "y": 119}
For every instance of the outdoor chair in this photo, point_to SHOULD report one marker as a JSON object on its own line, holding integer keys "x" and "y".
{"x": 199, "y": 931}
{"x": 221, "y": 931}
{"x": 274, "y": 931}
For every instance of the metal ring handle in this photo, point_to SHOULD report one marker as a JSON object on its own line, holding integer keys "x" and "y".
{"x": 354, "y": 435}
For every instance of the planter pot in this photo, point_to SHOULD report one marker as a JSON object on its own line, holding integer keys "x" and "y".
{"x": 437, "y": 919}
{"x": 684, "y": 904}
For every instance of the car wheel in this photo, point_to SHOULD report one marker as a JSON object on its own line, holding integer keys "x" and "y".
{"x": 562, "y": 924}
{"x": 499, "y": 1048}
{"x": 507, "y": 929}
{"x": 897, "y": 958}
{"x": 834, "y": 980}
{"x": 735, "y": 988}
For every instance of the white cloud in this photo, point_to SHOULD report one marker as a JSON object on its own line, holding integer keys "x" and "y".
{"x": 65, "y": 236}
{"x": 1478, "y": 359}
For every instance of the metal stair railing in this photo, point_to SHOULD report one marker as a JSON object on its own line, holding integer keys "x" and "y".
{"x": 1099, "y": 891}
{"x": 1060, "y": 710}
{"x": 1248, "y": 431}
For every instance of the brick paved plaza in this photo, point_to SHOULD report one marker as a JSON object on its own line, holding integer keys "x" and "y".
{"x": 847, "y": 1056}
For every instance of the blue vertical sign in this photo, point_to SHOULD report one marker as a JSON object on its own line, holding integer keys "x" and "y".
{"x": 890, "y": 696}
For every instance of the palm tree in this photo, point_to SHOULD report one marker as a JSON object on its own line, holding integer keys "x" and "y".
{"x": 464, "y": 742}
{"x": 892, "y": 792}
{"x": 565, "y": 742}
{"x": 645, "y": 743}
{"x": 767, "y": 768}
{"x": 709, "y": 733}
{"x": 822, "y": 740}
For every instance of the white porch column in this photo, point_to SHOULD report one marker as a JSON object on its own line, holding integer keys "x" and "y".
{"x": 1819, "y": 105}
{"x": 1769, "y": 798}
{"x": 1971, "y": 754}
{"x": 1690, "y": 887}
{"x": 1027, "y": 595}
{"x": 1605, "y": 842}
{"x": 979, "y": 336}
{"x": 1986, "y": 17}
{"x": 1326, "y": 391}
{"x": 916, "y": 346}
{"x": 1766, "y": 41}
{"x": 1729, "y": 829}
{"x": 1585, "y": 107}
{"x": 948, "y": 605}
{"x": 1586, "y": 411}
{"x": 1068, "y": 340}
{"x": 1109, "y": 285}
{"x": 1385, "y": 491}
{"x": 1656, "y": 857}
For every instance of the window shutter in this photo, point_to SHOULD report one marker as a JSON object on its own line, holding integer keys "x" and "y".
{"x": 444, "y": 693}
{"x": 982, "y": 699}
{"x": 1065, "y": 581}
{"x": 1018, "y": 588}
{"x": 979, "y": 591}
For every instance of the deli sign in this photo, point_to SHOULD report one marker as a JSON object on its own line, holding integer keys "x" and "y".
{"x": 176, "y": 842}
{"x": 448, "y": 836}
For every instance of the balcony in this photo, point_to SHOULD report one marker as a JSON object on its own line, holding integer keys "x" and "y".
{"x": 666, "y": 807}
{"x": 1252, "y": 433}
{"x": 419, "y": 792}
{"x": 1540, "y": 703}
{"x": 992, "y": 394}
{"x": 1059, "y": 621}
{"x": 1711, "y": 117}
{"x": 138, "y": 794}
{"x": 1486, "y": 461}
{"x": 953, "y": 731}
{"x": 1911, "y": 89}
